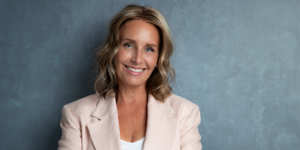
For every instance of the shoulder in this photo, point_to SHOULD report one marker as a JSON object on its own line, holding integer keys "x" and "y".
{"x": 181, "y": 106}
{"x": 84, "y": 106}
{"x": 177, "y": 102}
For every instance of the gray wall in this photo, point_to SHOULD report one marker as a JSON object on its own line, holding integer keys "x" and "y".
{"x": 238, "y": 60}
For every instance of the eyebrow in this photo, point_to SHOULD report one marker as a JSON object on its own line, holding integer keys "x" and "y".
{"x": 148, "y": 44}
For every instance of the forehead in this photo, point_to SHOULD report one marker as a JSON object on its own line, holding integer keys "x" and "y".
{"x": 139, "y": 31}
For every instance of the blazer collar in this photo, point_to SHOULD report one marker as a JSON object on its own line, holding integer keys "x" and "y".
{"x": 108, "y": 105}
{"x": 104, "y": 129}
{"x": 105, "y": 106}
{"x": 105, "y": 132}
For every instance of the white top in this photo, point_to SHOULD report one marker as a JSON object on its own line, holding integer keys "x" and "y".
{"x": 137, "y": 145}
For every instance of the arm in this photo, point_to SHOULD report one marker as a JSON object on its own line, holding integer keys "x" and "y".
{"x": 190, "y": 137}
{"x": 71, "y": 132}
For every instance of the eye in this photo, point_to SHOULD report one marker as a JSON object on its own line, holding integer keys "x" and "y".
{"x": 149, "y": 49}
{"x": 128, "y": 45}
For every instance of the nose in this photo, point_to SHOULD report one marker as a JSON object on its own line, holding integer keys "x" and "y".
{"x": 137, "y": 57}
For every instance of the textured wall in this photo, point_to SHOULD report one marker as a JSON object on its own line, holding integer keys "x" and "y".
{"x": 238, "y": 60}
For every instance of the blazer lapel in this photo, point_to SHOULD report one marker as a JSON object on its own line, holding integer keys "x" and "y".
{"x": 161, "y": 127}
{"x": 104, "y": 129}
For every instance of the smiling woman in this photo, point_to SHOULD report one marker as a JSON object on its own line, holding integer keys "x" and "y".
{"x": 133, "y": 108}
{"x": 162, "y": 75}
{"x": 138, "y": 53}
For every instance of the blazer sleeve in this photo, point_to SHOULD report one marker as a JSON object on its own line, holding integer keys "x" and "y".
{"x": 71, "y": 132}
{"x": 190, "y": 137}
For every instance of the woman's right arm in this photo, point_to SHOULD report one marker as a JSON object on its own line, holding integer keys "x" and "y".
{"x": 71, "y": 132}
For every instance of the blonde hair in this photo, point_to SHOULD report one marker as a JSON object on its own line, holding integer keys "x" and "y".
{"x": 164, "y": 74}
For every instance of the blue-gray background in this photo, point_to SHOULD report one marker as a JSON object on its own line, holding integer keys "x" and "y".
{"x": 237, "y": 59}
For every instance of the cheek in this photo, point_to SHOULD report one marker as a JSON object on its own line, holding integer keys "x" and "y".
{"x": 152, "y": 60}
{"x": 120, "y": 58}
{"x": 123, "y": 55}
{"x": 118, "y": 61}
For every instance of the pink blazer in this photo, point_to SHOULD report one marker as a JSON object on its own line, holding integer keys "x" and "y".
{"x": 91, "y": 123}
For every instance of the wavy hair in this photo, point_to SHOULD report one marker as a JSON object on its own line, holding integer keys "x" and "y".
{"x": 158, "y": 84}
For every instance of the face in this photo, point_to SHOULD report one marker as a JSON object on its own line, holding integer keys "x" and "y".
{"x": 138, "y": 52}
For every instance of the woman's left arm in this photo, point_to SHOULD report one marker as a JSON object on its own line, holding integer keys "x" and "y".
{"x": 190, "y": 137}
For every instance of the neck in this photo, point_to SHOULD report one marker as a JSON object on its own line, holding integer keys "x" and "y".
{"x": 131, "y": 95}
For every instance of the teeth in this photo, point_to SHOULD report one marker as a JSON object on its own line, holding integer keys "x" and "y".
{"x": 135, "y": 70}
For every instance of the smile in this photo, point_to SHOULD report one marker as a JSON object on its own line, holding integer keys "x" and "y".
{"x": 134, "y": 69}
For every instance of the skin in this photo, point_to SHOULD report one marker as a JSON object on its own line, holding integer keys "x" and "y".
{"x": 139, "y": 48}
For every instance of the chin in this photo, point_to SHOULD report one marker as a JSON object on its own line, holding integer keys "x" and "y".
{"x": 134, "y": 83}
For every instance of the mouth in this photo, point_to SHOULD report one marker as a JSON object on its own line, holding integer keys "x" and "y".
{"x": 137, "y": 70}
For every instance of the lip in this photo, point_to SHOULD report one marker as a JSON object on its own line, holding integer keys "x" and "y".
{"x": 134, "y": 73}
{"x": 134, "y": 67}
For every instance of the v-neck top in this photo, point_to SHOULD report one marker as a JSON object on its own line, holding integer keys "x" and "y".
{"x": 137, "y": 145}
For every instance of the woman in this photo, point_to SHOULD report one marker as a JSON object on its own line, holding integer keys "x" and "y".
{"x": 134, "y": 108}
